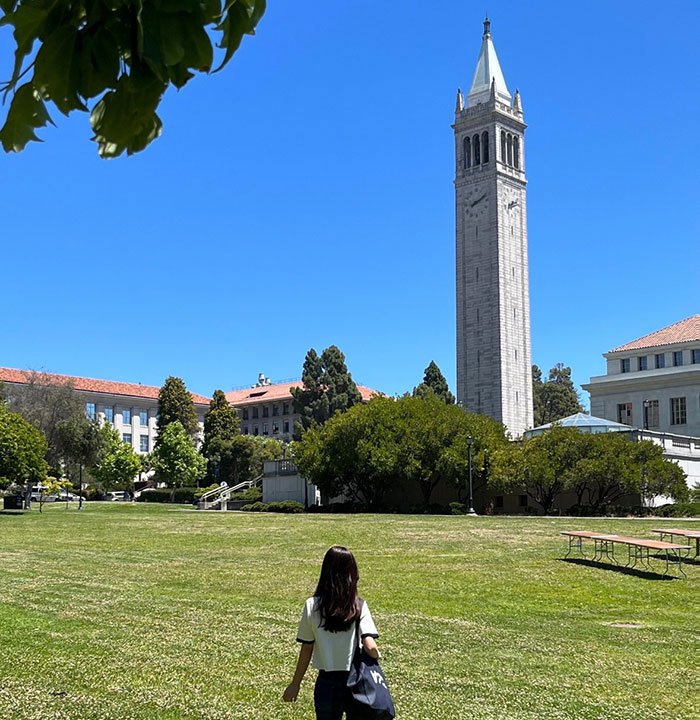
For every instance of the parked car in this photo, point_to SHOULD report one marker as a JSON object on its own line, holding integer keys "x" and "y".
{"x": 68, "y": 497}
{"x": 36, "y": 494}
{"x": 118, "y": 496}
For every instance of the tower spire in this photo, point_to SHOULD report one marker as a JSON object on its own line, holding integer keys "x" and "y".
{"x": 459, "y": 105}
{"x": 488, "y": 70}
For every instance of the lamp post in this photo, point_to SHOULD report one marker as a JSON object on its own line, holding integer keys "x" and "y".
{"x": 646, "y": 404}
{"x": 471, "y": 511}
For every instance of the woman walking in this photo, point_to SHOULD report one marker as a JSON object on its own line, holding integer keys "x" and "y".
{"x": 327, "y": 632}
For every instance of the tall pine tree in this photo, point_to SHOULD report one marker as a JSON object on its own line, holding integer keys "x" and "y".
{"x": 175, "y": 404}
{"x": 556, "y": 398}
{"x": 328, "y": 387}
{"x": 434, "y": 382}
{"x": 221, "y": 426}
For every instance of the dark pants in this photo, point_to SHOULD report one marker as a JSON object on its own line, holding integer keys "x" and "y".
{"x": 332, "y": 697}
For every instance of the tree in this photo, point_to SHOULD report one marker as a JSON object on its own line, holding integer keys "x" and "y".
{"x": 117, "y": 464}
{"x": 52, "y": 486}
{"x": 434, "y": 382}
{"x": 175, "y": 460}
{"x": 22, "y": 453}
{"x": 544, "y": 466}
{"x": 122, "y": 56}
{"x": 327, "y": 388}
{"x": 221, "y": 428}
{"x": 175, "y": 404}
{"x": 46, "y": 402}
{"x": 555, "y": 399}
{"x": 82, "y": 440}
{"x": 372, "y": 448}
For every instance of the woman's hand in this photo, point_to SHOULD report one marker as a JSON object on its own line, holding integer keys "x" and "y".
{"x": 291, "y": 692}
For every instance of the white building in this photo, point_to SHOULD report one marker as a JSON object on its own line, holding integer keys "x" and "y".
{"x": 267, "y": 410}
{"x": 132, "y": 408}
{"x": 493, "y": 300}
{"x": 653, "y": 382}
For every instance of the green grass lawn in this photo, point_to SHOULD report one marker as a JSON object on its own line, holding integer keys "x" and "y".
{"x": 146, "y": 611}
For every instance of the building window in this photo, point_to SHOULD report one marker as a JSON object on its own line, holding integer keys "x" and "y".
{"x": 678, "y": 415}
{"x": 625, "y": 365}
{"x": 275, "y": 427}
{"x": 695, "y": 356}
{"x": 642, "y": 363}
{"x": 651, "y": 408}
{"x": 509, "y": 147}
{"x": 516, "y": 152}
{"x": 265, "y": 432}
{"x": 143, "y": 417}
{"x": 245, "y": 429}
{"x": 90, "y": 410}
{"x": 143, "y": 443}
{"x": 677, "y": 358}
{"x": 285, "y": 426}
{"x": 255, "y": 413}
{"x": 485, "y": 146}
{"x": 266, "y": 411}
{"x": 503, "y": 147}
{"x": 476, "y": 146}
{"x": 467, "y": 150}
{"x": 109, "y": 414}
{"x": 126, "y": 438}
{"x": 275, "y": 410}
{"x": 660, "y": 360}
{"x": 285, "y": 408}
{"x": 255, "y": 429}
{"x": 245, "y": 413}
{"x": 126, "y": 418}
{"x": 624, "y": 413}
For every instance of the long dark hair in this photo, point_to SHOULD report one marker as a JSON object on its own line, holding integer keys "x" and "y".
{"x": 338, "y": 604}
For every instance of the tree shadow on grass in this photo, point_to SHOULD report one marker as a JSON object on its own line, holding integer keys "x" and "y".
{"x": 14, "y": 513}
{"x": 636, "y": 572}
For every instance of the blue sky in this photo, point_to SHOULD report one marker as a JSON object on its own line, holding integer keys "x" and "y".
{"x": 304, "y": 197}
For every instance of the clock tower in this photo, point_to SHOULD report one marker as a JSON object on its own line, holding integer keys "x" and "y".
{"x": 493, "y": 299}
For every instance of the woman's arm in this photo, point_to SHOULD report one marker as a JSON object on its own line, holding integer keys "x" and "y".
{"x": 292, "y": 690}
{"x": 370, "y": 646}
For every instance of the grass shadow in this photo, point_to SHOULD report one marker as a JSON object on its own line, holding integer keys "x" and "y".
{"x": 635, "y": 572}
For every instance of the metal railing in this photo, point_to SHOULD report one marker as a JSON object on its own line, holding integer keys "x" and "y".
{"x": 221, "y": 495}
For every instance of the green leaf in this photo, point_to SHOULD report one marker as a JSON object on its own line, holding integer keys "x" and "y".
{"x": 28, "y": 22}
{"x": 56, "y": 73}
{"x": 235, "y": 25}
{"x": 27, "y": 112}
{"x": 99, "y": 63}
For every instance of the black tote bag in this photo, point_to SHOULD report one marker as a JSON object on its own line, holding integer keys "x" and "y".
{"x": 366, "y": 681}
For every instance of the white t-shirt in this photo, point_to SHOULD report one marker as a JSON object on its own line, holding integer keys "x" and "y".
{"x": 332, "y": 650}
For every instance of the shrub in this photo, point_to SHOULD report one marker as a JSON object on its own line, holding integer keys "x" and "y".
{"x": 458, "y": 508}
{"x": 200, "y": 491}
{"x": 288, "y": 506}
{"x": 254, "y": 507}
{"x": 252, "y": 494}
{"x": 691, "y": 509}
{"x": 158, "y": 495}
{"x": 184, "y": 495}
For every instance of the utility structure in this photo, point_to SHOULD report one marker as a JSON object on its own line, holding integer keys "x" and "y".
{"x": 494, "y": 373}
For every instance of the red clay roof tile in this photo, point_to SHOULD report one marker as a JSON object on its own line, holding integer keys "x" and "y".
{"x": 684, "y": 331}
{"x": 107, "y": 387}
{"x": 278, "y": 391}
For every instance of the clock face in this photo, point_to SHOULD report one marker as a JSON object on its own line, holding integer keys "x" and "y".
{"x": 476, "y": 203}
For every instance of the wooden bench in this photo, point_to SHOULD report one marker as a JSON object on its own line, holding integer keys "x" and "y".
{"x": 639, "y": 549}
{"x": 688, "y": 534}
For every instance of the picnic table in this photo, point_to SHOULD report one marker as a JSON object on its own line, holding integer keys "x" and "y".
{"x": 638, "y": 549}
{"x": 688, "y": 534}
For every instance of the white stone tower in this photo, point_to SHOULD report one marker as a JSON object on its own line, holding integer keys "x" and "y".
{"x": 493, "y": 299}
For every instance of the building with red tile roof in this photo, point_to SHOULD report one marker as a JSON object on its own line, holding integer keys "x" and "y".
{"x": 653, "y": 382}
{"x": 266, "y": 409}
{"x": 131, "y": 407}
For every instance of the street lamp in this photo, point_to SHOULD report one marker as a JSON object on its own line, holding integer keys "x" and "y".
{"x": 646, "y": 404}
{"x": 471, "y": 511}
